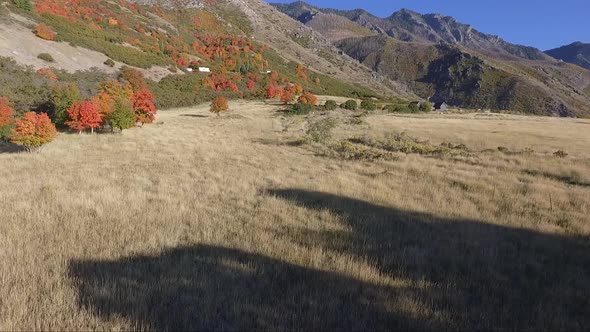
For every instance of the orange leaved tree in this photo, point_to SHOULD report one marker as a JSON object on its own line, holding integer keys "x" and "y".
{"x": 218, "y": 105}
{"x": 33, "y": 130}
{"x": 6, "y": 117}
{"x": 308, "y": 98}
{"x": 44, "y": 32}
{"x": 84, "y": 115}
{"x": 105, "y": 104}
{"x": 288, "y": 95}
{"x": 143, "y": 106}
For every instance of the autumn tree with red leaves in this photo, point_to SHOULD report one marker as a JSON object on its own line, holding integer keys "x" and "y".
{"x": 84, "y": 115}
{"x": 33, "y": 130}
{"x": 143, "y": 106}
{"x": 288, "y": 96}
{"x": 308, "y": 98}
{"x": 250, "y": 85}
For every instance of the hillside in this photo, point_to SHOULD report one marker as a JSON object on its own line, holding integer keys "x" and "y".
{"x": 239, "y": 40}
{"x": 577, "y": 53}
{"x": 428, "y": 53}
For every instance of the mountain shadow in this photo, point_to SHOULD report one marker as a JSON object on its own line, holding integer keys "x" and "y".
{"x": 463, "y": 275}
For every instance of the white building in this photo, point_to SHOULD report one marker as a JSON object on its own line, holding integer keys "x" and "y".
{"x": 204, "y": 70}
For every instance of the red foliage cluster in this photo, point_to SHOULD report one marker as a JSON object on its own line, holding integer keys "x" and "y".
{"x": 44, "y": 32}
{"x": 251, "y": 85}
{"x": 143, "y": 105}
{"x": 84, "y": 115}
{"x": 308, "y": 98}
{"x": 48, "y": 73}
{"x": 300, "y": 71}
{"x": 6, "y": 112}
{"x": 218, "y": 82}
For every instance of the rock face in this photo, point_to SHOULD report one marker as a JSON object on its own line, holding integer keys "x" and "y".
{"x": 577, "y": 53}
{"x": 445, "y": 60}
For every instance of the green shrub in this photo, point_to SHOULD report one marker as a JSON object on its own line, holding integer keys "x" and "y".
{"x": 123, "y": 116}
{"x": 321, "y": 131}
{"x": 414, "y": 108}
{"x": 110, "y": 63}
{"x": 560, "y": 154}
{"x": 426, "y": 107}
{"x": 350, "y": 105}
{"x": 398, "y": 108}
{"x": 23, "y": 87}
{"x": 63, "y": 96}
{"x": 23, "y": 4}
{"x": 300, "y": 109}
{"x": 330, "y": 105}
{"x": 368, "y": 105}
{"x": 5, "y": 131}
{"x": 46, "y": 57}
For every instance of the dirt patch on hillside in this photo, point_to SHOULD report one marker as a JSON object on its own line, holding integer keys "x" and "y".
{"x": 21, "y": 44}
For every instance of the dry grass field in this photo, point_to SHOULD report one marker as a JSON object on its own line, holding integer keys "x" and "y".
{"x": 235, "y": 223}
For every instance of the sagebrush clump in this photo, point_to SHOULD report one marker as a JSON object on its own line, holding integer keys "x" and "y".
{"x": 351, "y": 105}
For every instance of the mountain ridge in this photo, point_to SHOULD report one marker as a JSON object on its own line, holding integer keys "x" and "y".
{"x": 482, "y": 71}
{"x": 577, "y": 53}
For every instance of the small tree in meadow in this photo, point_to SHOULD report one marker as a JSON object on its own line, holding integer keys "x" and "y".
{"x": 218, "y": 105}
{"x": 84, "y": 115}
{"x": 33, "y": 130}
{"x": 6, "y": 118}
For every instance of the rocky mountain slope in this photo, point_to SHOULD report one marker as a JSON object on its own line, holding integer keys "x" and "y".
{"x": 577, "y": 53}
{"x": 442, "y": 59}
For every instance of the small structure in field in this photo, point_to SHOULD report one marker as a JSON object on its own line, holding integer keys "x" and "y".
{"x": 189, "y": 69}
{"x": 441, "y": 107}
{"x": 204, "y": 70}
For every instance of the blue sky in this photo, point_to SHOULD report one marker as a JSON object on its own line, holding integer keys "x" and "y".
{"x": 544, "y": 24}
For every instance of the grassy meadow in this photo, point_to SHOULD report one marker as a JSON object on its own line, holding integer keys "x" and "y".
{"x": 243, "y": 222}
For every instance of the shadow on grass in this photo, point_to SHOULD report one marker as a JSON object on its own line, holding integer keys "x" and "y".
{"x": 483, "y": 276}
{"x": 466, "y": 275}
{"x": 8, "y": 147}
{"x": 194, "y": 115}
{"x": 216, "y": 288}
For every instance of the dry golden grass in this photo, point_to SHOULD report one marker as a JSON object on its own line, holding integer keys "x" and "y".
{"x": 221, "y": 223}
